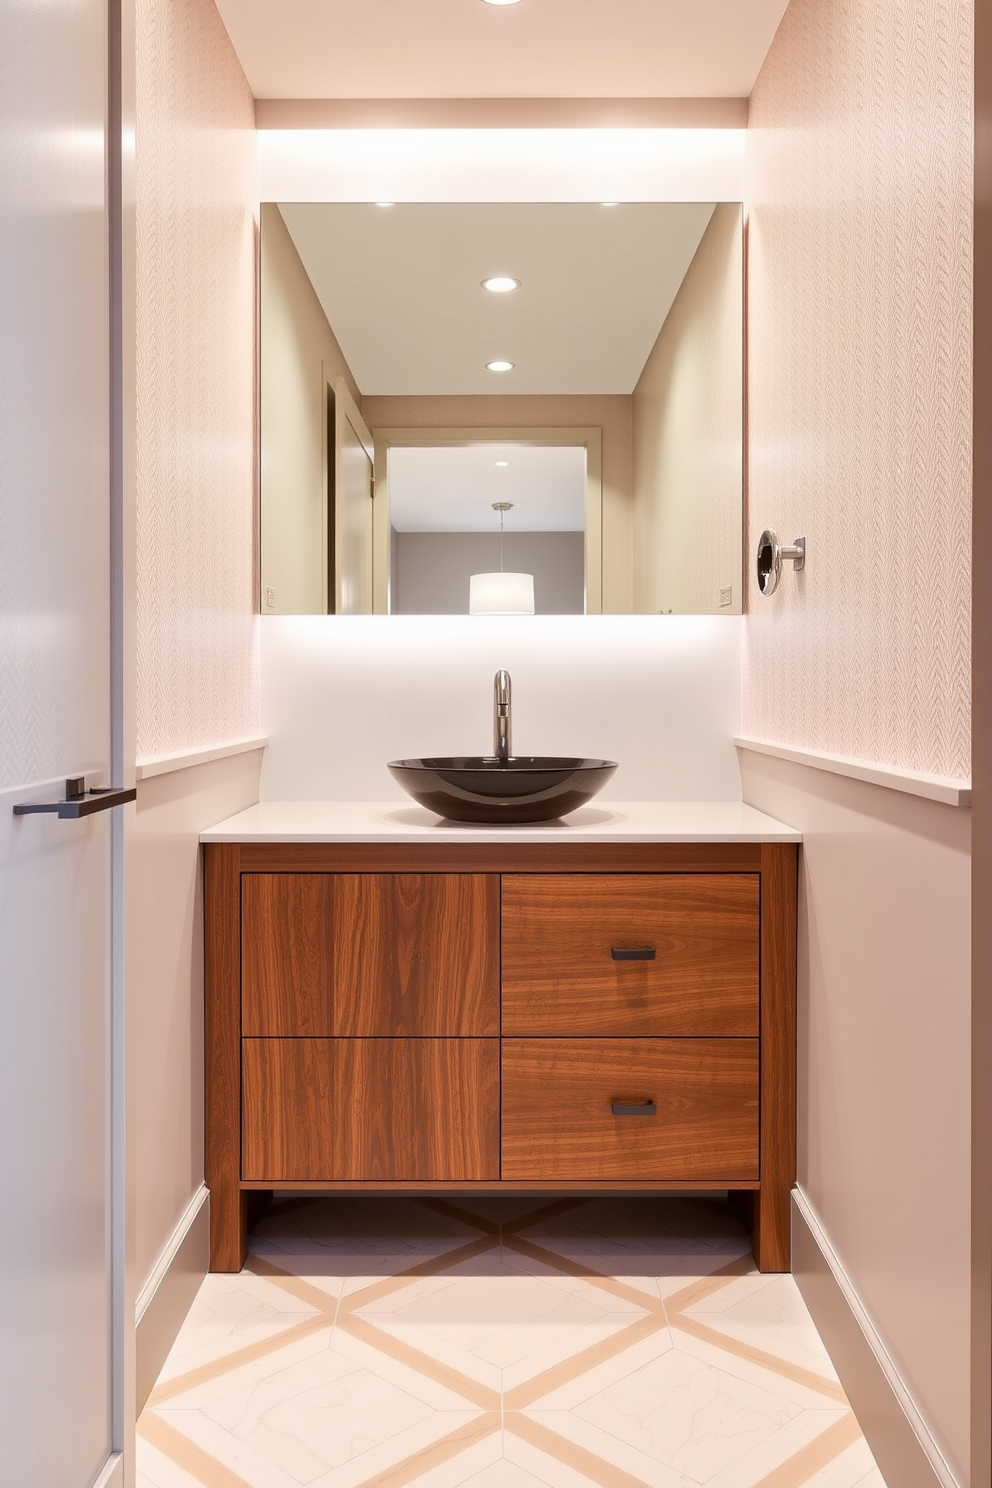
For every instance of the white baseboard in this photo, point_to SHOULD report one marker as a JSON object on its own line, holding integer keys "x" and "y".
{"x": 165, "y": 1260}
{"x": 112, "y": 1475}
{"x": 904, "y": 1447}
{"x": 168, "y": 1294}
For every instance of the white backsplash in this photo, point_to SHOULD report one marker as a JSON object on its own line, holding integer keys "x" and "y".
{"x": 342, "y": 695}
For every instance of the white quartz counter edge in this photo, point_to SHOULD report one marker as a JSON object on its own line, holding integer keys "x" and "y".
{"x": 394, "y": 821}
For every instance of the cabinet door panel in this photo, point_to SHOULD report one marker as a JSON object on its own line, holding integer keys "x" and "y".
{"x": 375, "y": 1109}
{"x": 558, "y": 1120}
{"x": 560, "y": 975}
{"x": 370, "y": 955}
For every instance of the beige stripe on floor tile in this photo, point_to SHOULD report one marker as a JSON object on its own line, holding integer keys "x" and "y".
{"x": 783, "y": 1367}
{"x": 814, "y": 1457}
{"x": 435, "y": 1266}
{"x": 550, "y": 1258}
{"x": 570, "y": 1454}
{"x": 705, "y": 1286}
{"x": 170, "y": 1388}
{"x": 404, "y": 1353}
{"x": 569, "y": 1369}
{"x": 186, "y": 1454}
{"x": 297, "y": 1287}
{"x": 437, "y": 1453}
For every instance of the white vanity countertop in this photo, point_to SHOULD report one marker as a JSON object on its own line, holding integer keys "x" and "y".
{"x": 392, "y": 821}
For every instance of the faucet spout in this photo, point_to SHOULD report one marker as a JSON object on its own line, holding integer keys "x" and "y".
{"x": 502, "y": 741}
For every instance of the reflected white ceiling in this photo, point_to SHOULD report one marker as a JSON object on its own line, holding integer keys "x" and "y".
{"x": 537, "y": 49}
{"x": 401, "y": 288}
{"x": 452, "y": 490}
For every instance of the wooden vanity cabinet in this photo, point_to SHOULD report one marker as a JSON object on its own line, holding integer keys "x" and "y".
{"x": 500, "y": 1018}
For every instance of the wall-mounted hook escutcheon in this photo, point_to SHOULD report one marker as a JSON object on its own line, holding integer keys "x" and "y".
{"x": 772, "y": 554}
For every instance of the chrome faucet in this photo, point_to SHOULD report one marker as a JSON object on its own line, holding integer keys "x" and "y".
{"x": 502, "y": 742}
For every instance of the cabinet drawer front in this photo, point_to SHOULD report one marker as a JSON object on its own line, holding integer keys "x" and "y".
{"x": 558, "y": 1119}
{"x": 316, "y": 1109}
{"x": 561, "y": 974}
{"x": 369, "y": 955}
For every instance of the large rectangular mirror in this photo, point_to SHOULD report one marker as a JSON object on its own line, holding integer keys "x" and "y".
{"x": 509, "y": 406}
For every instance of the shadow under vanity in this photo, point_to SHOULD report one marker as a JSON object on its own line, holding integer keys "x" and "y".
{"x": 561, "y": 1010}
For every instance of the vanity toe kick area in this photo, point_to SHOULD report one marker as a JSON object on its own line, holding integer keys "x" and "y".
{"x": 397, "y": 1004}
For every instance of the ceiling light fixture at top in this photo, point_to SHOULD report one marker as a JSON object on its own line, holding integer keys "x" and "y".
{"x": 499, "y": 366}
{"x": 501, "y": 2}
{"x": 500, "y": 284}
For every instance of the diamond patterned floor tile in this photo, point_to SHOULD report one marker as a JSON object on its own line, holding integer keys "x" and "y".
{"x": 500, "y": 1343}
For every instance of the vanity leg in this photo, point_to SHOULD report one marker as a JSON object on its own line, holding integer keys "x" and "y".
{"x": 229, "y": 1207}
{"x": 766, "y": 1218}
{"x": 230, "y": 1213}
{"x": 771, "y": 1239}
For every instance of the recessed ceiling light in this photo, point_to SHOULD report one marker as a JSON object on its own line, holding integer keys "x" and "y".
{"x": 499, "y": 366}
{"x": 385, "y": 204}
{"x": 500, "y": 284}
{"x": 502, "y": 462}
{"x": 501, "y": 2}
{"x": 609, "y": 204}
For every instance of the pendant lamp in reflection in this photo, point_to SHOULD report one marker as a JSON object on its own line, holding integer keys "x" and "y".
{"x": 501, "y": 593}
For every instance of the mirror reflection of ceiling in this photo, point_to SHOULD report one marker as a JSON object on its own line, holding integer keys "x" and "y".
{"x": 453, "y": 489}
{"x": 537, "y": 49}
{"x": 401, "y": 286}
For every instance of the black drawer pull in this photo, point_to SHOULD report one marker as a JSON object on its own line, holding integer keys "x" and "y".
{"x": 633, "y": 1108}
{"x": 636, "y": 953}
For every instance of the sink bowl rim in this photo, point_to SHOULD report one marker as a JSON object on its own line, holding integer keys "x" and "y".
{"x": 530, "y": 764}
{"x": 478, "y": 788}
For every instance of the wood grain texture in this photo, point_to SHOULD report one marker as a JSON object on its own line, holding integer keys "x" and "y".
{"x": 287, "y": 943}
{"x": 557, "y": 1117}
{"x": 371, "y": 1109}
{"x": 559, "y": 977}
{"x": 501, "y": 857}
{"x": 370, "y": 955}
{"x": 503, "y": 1186}
{"x": 222, "y": 1056}
{"x": 772, "y": 1224}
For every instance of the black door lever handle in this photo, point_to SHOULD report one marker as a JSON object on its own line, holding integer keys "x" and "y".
{"x": 78, "y": 800}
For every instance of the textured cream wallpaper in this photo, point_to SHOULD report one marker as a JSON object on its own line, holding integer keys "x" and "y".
{"x": 610, "y": 411}
{"x": 859, "y": 197}
{"x": 688, "y": 425}
{"x": 197, "y": 198}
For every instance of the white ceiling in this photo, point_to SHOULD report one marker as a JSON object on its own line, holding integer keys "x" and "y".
{"x": 452, "y": 489}
{"x": 400, "y": 287}
{"x": 537, "y": 49}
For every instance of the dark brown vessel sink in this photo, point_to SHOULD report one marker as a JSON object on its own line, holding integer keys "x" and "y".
{"x": 526, "y": 788}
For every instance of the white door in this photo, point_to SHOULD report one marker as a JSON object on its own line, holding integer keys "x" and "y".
{"x": 353, "y": 492}
{"x": 61, "y": 1319}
